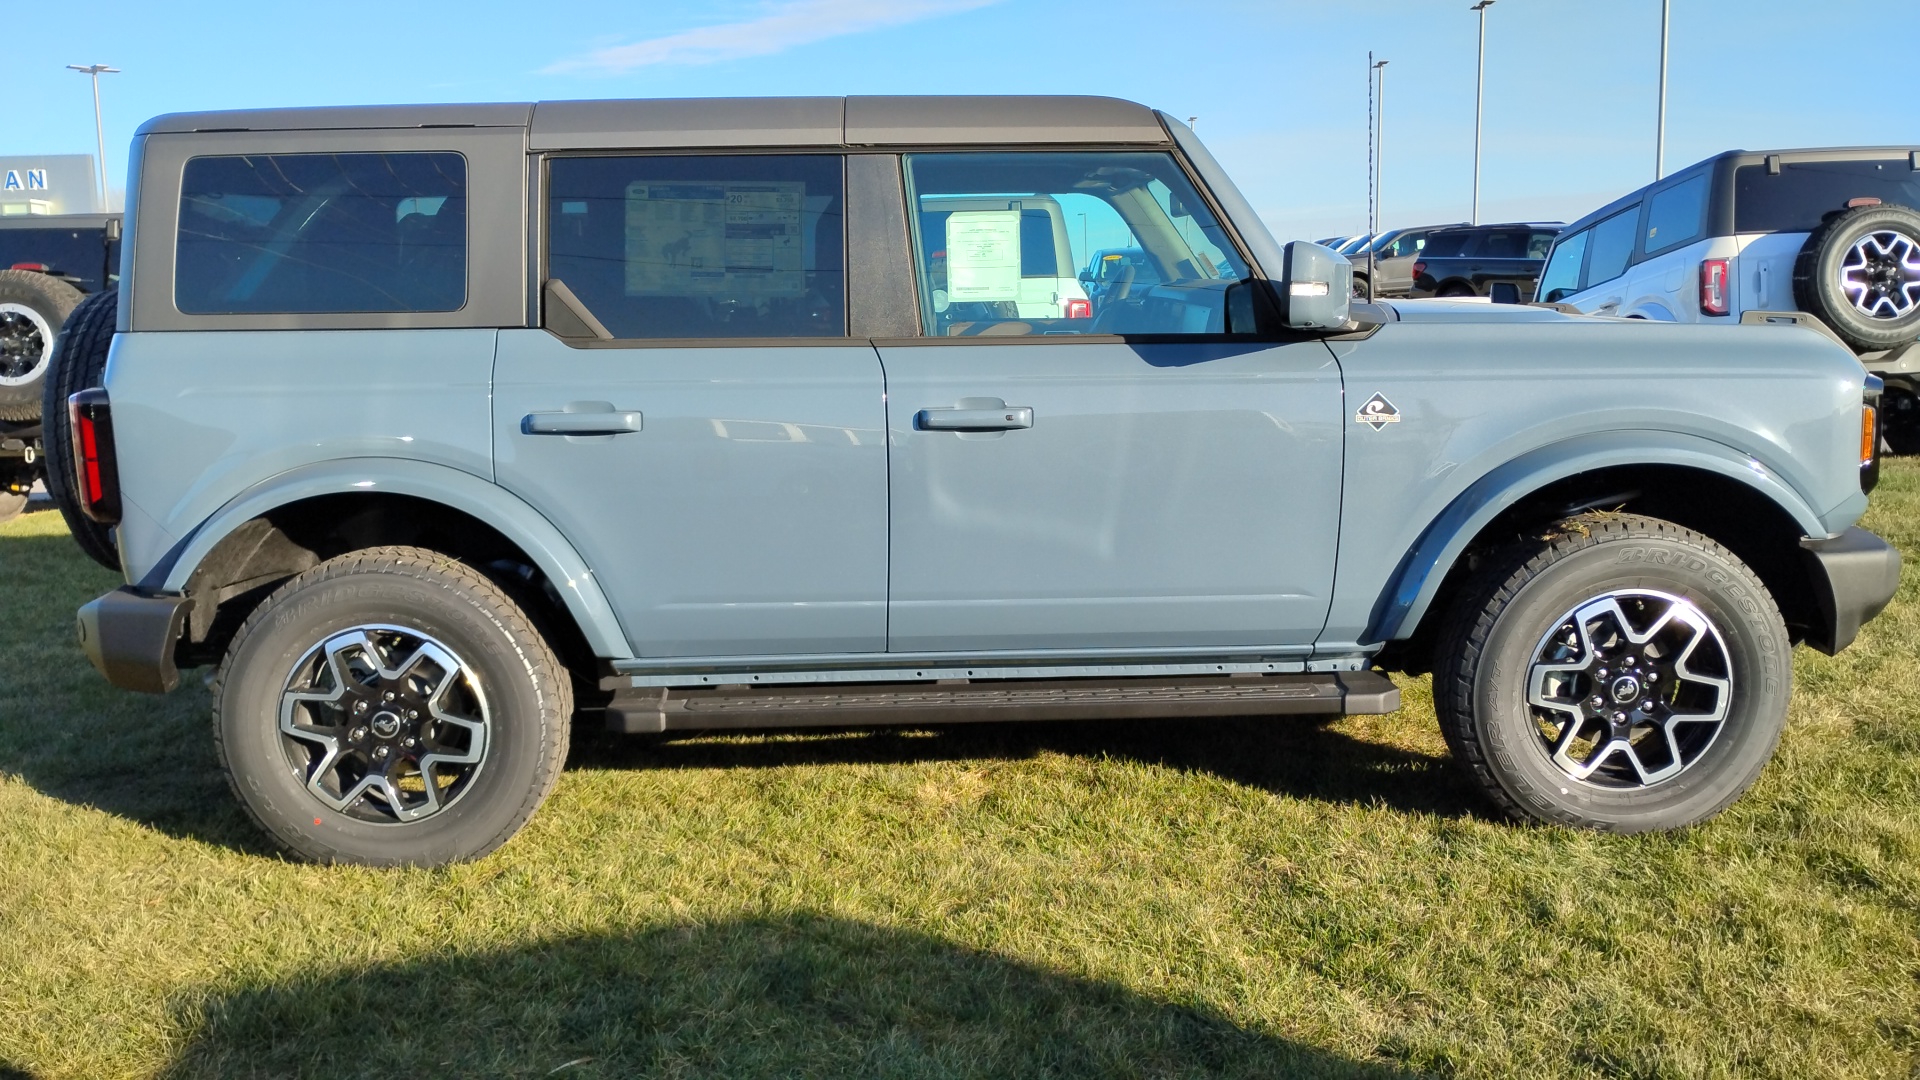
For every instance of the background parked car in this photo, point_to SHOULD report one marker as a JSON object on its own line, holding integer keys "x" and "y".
{"x": 1471, "y": 261}
{"x": 1393, "y": 254}
{"x": 1113, "y": 273}
{"x": 1834, "y": 233}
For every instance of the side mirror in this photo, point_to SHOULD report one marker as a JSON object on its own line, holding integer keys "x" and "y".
{"x": 1504, "y": 292}
{"x": 1316, "y": 288}
{"x": 1086, "y": 277}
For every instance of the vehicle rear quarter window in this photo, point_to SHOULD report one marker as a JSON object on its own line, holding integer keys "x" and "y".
{"x": 1505, "y": 243}
{"x": 1677, "y": 215}
{"x": 311, "y": 233}
{"x": 1612, "y": 245}
{"x": 1447, "y": 245}
{"x": 1805, "y": 192}
{"x": 702, "y": 246}
{"x": 998, "y": 237}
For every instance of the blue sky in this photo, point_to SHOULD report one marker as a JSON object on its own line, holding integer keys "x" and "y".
{"x": 1279, "y": 86}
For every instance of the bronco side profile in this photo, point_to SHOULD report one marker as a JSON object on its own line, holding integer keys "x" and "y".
{"x": 437, "y": 427}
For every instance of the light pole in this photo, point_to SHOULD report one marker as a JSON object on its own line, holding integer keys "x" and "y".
{"x": 1479, "y": 103}
{"x": 99, "y": 131}
{"x": 1377, "y": 98}
{"x": 1660, "y": 132}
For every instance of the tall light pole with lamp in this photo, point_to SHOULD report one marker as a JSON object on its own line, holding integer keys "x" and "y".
{"x": 99, "y": 131}
{"x": 1479, "y": 103}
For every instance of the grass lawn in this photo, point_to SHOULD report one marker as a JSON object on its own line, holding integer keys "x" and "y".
{"x": 1183, "y": 898}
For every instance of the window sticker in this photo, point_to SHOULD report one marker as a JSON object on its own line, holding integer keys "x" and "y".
{"x": 983, "y": 255}
{"x": 690, "y": 238}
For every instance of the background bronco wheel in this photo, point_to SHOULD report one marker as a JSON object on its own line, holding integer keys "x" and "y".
{"x": 1624, "y": 674}
{"x": 32, "y": 307}
{"x": 78, "y": 363}
{"x": 1860, "y": 273}
{"x": 391, "y": 707}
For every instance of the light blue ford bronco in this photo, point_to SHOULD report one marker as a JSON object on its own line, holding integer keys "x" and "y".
{"x": 438, "y": 429}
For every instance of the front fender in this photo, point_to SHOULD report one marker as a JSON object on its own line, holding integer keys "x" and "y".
{"x": 1411, "y": 588}
{"x": 489, "y": 502}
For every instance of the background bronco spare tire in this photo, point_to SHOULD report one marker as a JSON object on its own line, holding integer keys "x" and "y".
{"x": 1860, "y": 273}
{"x": 32, "y": 307}
{"x": 79, "y": 360}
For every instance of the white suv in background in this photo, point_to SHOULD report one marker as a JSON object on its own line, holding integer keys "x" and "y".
{"x": 1747, "y": 231}
{"x": 1834, "y": 233}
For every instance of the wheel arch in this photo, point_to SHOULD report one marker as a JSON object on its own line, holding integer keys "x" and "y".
{"x": 1691, "y": 481}
{"x": 296, "y": 519}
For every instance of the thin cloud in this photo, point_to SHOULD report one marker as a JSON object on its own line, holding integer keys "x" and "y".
{"x": 784, "y": 26}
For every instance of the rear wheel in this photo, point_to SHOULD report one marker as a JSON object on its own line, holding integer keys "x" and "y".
{"x": 32, "y": 308}
{"x": 391, "y": 707}
{"x": 1624, "y": 674}
{"x": 1454, "y": 290}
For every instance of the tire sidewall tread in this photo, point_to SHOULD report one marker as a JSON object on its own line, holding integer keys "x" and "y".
{"x": 1816, "y": 276}
{"x": 1490, "y": 636}
{"x": 528, "y": 692}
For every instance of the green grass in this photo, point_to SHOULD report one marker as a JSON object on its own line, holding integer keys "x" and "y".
{"x": 1257, "y": 898}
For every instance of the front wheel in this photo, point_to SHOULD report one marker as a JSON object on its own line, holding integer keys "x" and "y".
{"x": 391, "y": 707}
{"x": 1622, "y": 674}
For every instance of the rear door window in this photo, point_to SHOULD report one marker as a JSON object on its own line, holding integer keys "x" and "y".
{"x": 309, "y": 233}
{"x": 1447, "y": 245}
{"x": 1612, "y": 246}
{"x": 1804, "y": 192}
{"x": 702, "y": 247}
{"x": 1677, "y": 215}
{"x": 1504, "y": 244}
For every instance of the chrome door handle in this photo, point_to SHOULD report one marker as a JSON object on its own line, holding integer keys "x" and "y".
{"x": 582, "y": 418}
{"x": 1005, "y": 418}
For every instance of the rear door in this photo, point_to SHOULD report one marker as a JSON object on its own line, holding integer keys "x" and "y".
{"x": 1140, "y": 480}
{"x": 718, "y": 455}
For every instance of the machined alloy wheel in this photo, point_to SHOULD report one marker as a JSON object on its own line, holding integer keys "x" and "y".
{"x": 25, "y": 342}
{"x": 1881, "y": 275}
{"x": 1630, "y": 688}
{"x": 386, "y": 724}
{"x": 391, "y": 706}
{"x": 1613, "y": 672}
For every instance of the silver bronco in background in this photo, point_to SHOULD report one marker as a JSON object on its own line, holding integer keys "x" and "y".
{"x": 435, "y": 427}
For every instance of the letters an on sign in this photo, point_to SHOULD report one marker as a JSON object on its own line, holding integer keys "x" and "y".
{"x": 36, "y": 180}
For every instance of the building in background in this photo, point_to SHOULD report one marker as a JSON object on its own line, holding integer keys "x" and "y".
{"x": 48, "y": 184}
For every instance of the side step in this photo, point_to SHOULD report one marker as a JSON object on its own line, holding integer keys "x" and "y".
{"x": 655, "y": 709}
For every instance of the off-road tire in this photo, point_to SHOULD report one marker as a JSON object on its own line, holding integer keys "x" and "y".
{"x": 1817, "y": 276}
{"x": 527, "y": 692}
{"x": 33, "y": 307}
{"x": 1488, "y": 643}
{"x": 79, "y": 361}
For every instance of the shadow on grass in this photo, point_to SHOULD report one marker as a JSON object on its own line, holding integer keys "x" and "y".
{"x": 802, "y": 996}
{"x": 1295, "y": 756}
{"x": 70, "y": 735}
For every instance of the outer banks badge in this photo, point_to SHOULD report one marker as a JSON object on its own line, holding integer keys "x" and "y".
{"x": 1377, "y": 413}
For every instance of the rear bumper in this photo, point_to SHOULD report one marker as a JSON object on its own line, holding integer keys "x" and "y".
{"x": 130, "y": 638}
{"x": 1854, "y": 576}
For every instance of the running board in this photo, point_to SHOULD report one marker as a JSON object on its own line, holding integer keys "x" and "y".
{"x": 655, "y": 709}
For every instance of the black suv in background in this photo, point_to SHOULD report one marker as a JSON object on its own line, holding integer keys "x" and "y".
{"x": 1470, "y": 261}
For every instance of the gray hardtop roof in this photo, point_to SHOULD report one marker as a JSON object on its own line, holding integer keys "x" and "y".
{"x": 731, "y": 122}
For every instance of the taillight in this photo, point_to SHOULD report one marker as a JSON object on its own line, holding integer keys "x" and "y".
{"x": 1079, "y": 309}
{"x": 1870, "y": 432}
{"x": 1713, "y": 287}
{"x": 1419, "y": 268}
{"x": 96, "y": 479}
{"x": 38, "y": 267}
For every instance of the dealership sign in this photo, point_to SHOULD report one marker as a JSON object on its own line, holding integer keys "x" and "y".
{"x": 25, "y": 180}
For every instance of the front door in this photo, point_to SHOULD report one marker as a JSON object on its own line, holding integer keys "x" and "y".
{"x": 1140, "y": 479}
{"x": 718, "y": 459}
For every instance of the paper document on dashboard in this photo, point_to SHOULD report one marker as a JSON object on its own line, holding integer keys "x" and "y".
{"x": 983, "y": 255}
